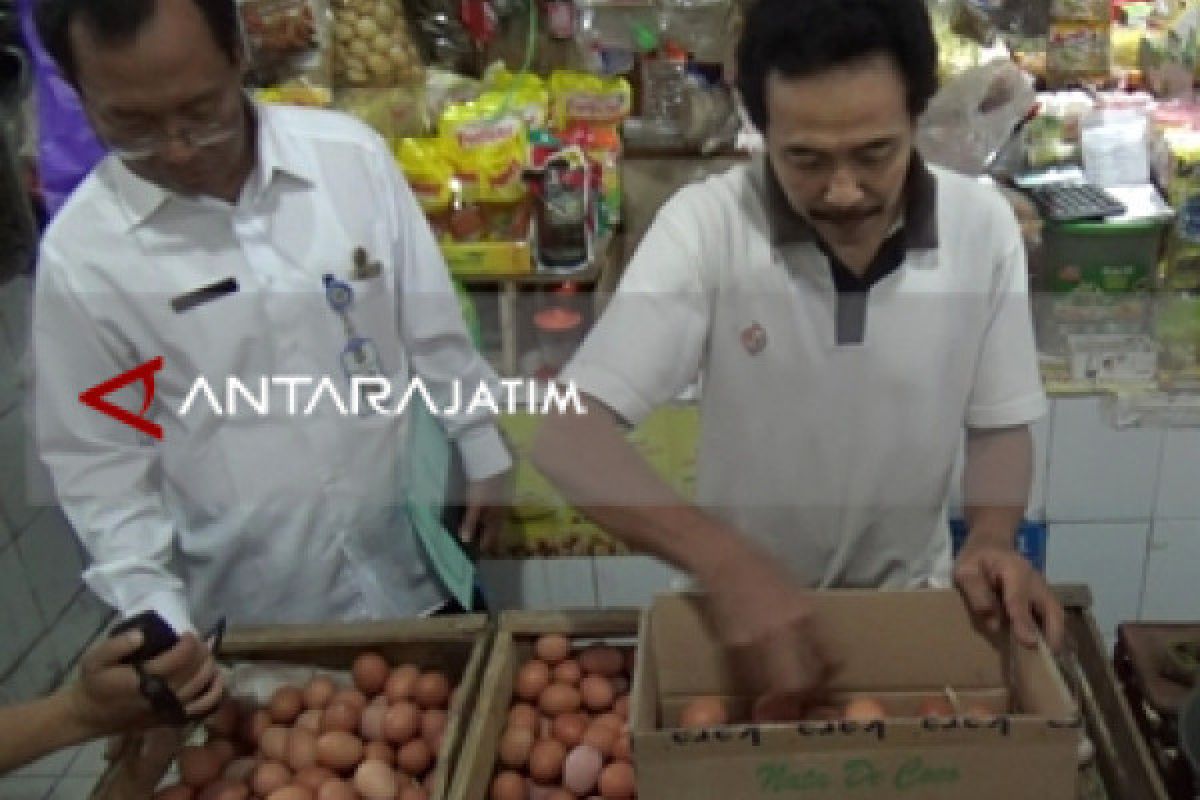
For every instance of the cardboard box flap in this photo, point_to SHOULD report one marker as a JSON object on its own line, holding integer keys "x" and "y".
{"x": 620, "y": 622}
{"x": 862, "y": 629}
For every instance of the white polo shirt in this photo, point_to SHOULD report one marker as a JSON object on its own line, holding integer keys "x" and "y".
{"x": 834, "y": 451}
{"x": 282, "y": 518}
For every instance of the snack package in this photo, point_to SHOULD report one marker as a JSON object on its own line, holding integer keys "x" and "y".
{"x": 430, "y": 175}
{"x": 287, "y": 42}
{"x": 395, "y": 113}
{"x": 1077, "y": 52}
{"x": 1081, "y": 11}
{"x": 295, "y": 95}
{"x": 524, "y": 94}
{"x": 373, "y": 45}
{"x": 580, "y": 97}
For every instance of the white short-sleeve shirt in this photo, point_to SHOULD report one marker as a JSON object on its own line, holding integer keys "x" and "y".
{"x": 837, "y": 457}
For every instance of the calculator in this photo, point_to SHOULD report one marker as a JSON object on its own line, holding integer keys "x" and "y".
{"x": 1072, "y": 202}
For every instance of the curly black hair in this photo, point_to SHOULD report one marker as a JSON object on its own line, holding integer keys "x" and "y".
{"x": 119, "y": 21}
{"x": 798, "y": 38}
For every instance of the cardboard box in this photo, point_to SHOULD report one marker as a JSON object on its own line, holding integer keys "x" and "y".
{"x": 896, "y": 646}
{"x": 512, "y": 645}
{"x": 456, "y": 645}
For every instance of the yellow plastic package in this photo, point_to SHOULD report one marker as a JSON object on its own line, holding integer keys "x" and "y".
{"x": 430, "y": 174}
{"x": 580, "y": 97}
{"x": 521, "y": 93}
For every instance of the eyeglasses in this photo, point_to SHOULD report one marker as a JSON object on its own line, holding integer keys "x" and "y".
{"x": 139, "y": 148}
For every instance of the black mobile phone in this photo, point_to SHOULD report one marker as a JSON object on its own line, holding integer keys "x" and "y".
{"x": 157, "y": 636}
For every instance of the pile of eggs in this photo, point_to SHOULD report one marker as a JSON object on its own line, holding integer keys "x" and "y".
{"x": 377, "y": 740}
{"x": 708, "y": 711}
{"x": 567, "y": 733}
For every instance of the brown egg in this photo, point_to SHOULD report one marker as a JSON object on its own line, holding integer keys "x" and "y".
{"x": 532, "y": 680}
{"x": 552, "y": 648}
{"x": 569, "y": 728}
{"x": 935, "y": 706}
{"x": 433, "y": 726}
{"x": 621, "y": 707}
{"x": 240, "y": 769}
{"x": 379, "y": 751}
{"x": 523, "y": 715}
{"x": 620, "y": 685}
{"x": 339, "y": 750}
{"x": 351, "y": 697}
{"x": 179, "y": 791}
{"x": 286, "y": 704}
{"x": 617, "y": 781}
{"x": 310, "y": 720}
{"x": 291, "y": 793}
{"x": 545, "y": 727}
{"x": 224, "y": 789}
{"x": 559, "y": 794}
{"x": 514, "y": 747}
{"x": 622, "y": 749}
{"x": 601, "y": 737}
{"x": 274, "y": 743}
{"x": 223, "y": 722}
{"x": 431, "y": 690}
{"x": 568, "y": 673}
{"x": 559, "y": 699}
{"x": 414, "y": 793}
{"x": 198, "y": 766}
{"x": 704, "y": 712}
{"x": 611, "y": 720}
{"x": 370, "y": 672}
{"x": 318, "y": 692}
{"x": 581, "y": 770}
{"x": 602, "y": 660}
{"x": 313, "y": 777}
{"x": 400, "y": 683}
{"x": 414, "y": 758}
{"x": 597, "y": 693}
{"x": 339, "y": 716}
{"x": 401, "y": 722}
{"x": 302, "y": 749}
{"x": 864, "y": 709}
{"x": 375, "y": 780}
{"x": 336, "y": 790}
{"x": 269, "y": 776}
{"x": 509, "y": 785}
{"x": 252, "y": 726}
{"x": 371, "y": 723}
{"x": 546, "y": 761}
{"x": 979, "y": 711}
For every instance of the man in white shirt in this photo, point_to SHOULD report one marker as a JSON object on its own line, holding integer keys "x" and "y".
{"x": 850, "y": 311}
{"x": 276, "y": 246}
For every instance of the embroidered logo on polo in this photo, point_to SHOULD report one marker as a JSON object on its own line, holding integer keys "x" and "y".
{"x": 754, "y": 339}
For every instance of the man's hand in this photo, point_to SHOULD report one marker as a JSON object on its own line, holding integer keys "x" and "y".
{"x": 106, "y": 698}
{"x": 999, "y": 582}
{"x": 766, "y": 622}
{"x": 488, "y": 502}
{"x": 144, "y": 759}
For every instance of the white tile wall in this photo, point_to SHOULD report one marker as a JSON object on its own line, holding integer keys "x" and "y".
{"x": 1179, "y": 483}
{"x": 11, "y": 385}
{"x": 73, "y": 787}
{"x": 26, "y": 788}
{"x": 634, "y": 580}
{"x": 1173, "y": 571}
{"x": 16, "y": 306}
{"x": 20, "y": 620}
{"x": 539, "y": 583}
{"x": 1109, "y": 557}
{"x": 83, "y": 619}
{"x": 1099, "y": 473}
{"x": 40, "y": 670}
{"x": 53, "y": 561}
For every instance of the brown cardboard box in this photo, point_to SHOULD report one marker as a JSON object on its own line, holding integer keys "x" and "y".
{"x": 456, "y": 645}
{"x": 896, "y": 646}
{"x": 512, "y": 645}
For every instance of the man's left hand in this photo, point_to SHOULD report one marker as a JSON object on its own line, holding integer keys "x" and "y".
{"x": 488, "y": 502}
{"x": 999, "y": 582}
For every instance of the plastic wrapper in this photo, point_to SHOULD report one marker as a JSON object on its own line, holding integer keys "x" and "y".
{"x": 1077, "y": 52}
{"x": 580, "y": 97}
{"x": 295, "y": 95}
{"x": 971, "y": 118}
{"x": 1081, "y": 10}
{"x": 393, "y": 113}
{"x": 374, "y": 47}
{"x": 524, "y": 93}
{"x": 287, "y": 41}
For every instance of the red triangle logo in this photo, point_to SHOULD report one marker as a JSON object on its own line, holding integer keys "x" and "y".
{"x": 94, "y": 397}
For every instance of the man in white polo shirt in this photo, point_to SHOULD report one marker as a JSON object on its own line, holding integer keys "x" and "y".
{"x": 850, "y": 311}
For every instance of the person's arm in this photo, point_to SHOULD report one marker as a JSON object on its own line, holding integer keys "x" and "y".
{"x": 103, "y": 700}
{"x": 995, "y": 579}
{"x": 647, "y": 346}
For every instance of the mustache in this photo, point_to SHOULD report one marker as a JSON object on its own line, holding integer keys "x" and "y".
{"x": 856, "y": 215}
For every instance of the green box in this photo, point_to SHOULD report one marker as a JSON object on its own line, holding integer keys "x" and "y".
{"x": 1104, "y": 256}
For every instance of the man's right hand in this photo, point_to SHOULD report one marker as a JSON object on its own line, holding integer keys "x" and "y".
{"x": 766, "y": 622}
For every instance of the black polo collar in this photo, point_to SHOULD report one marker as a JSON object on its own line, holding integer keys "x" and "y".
{"x": 920, "y": 209}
